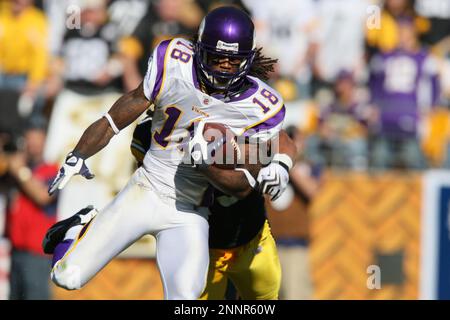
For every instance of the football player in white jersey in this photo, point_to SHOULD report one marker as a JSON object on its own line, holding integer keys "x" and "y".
{"x": 188, "y": 83}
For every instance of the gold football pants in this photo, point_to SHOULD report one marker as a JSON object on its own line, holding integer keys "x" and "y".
{"x": 253, "y": 268}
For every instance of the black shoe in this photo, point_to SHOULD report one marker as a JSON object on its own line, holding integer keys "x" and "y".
{"x": 57, "y": 232}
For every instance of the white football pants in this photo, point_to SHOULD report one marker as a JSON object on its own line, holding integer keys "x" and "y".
{"x": 181, "y": 240}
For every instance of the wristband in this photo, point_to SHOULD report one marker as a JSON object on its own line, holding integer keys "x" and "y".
{"x": 284, "y": 160}
{"x": 111, "y": 123}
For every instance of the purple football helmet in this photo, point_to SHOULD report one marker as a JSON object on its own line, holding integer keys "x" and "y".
{"x": 225, "y": 32}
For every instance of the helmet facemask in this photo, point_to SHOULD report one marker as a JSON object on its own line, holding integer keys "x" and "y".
{"x": 206, "y": 58}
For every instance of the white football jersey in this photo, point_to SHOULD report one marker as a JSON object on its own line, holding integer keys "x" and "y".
{"x": 171, "y": 83}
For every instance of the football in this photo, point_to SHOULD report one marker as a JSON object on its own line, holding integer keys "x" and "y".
{"x": 232, "y": 152}
{"x": 227, "y": 153}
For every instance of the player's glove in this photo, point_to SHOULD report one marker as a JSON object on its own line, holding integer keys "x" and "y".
{"x": 73, "y": 165}
{"x": 202, "y": 151}
{"x": 197, "y": 146}
{"x": 274, "y": 178}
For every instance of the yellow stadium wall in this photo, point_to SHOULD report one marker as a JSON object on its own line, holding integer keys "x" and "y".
{"x": 353, "y": 217}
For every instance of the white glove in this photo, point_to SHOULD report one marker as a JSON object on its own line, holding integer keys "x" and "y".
{"x": 73, "y": 165}
{"x": 197, "y": 146}
{"x": 273, "y": 180}
{"x": 201, "y": 151}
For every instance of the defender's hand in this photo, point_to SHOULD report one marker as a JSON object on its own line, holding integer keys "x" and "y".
{"x": 273, "y": 180}
{"x": 73, "y": 165}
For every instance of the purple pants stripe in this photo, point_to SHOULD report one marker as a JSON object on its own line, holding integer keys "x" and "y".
{"x": 61, "y": 250}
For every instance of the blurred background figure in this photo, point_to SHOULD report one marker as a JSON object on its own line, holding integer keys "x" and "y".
{"x": 404, "y": 87}
{"x": 387, "y": 36}
{"x": 23, "y": 58}
{"x": 87, "y": 63}
{"x": 288, "y": 218}
{"x": 340, "y": 40}
{"x": 288, "y": 32}
{"x": 165, "y": 19}
{"x": 436, "y": 142}
{"x": 31, "y": 212}
{"x": 8, "y": 146}
{"x": 437, "y": 12}
{"x": 57, "y": 12}
{"x": 341, "y": 139}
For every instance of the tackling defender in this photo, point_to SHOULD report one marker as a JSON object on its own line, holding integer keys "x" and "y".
{"x": 241, "y": 246}
{"x": 164, "y": 196}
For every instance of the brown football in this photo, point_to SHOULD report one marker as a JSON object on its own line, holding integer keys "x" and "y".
{"x": 228, "y": 154}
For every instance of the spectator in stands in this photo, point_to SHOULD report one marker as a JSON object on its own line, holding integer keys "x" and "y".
{"x": 208, "y": 5}
{"x": 438, "y": 14}
{"x": 57, "y": 13}
{"x": 387, "y": 37}
{"x": 32, "y": 212}
{"x": 340, "y": 39}
{"x": 341, "y": 138}
{"x": 288, "y": 32}
{"x": 6, "y": 146}
{"x": 436, "y": 142}
{"x": 165, "y": 19}
{"x": 436, "y": 138}
{"x": 438, "y": 37}
{"x": 288, "y": 217}
{"x": 123, "y": 17}
{"x": 23, "y": 51}
{"x": 404, "y": 87}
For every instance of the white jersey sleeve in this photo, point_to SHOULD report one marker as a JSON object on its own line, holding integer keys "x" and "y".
{"x": 268, "y": 114}
{"x": 155, "y": 71}
{"x": 269, "y": 127}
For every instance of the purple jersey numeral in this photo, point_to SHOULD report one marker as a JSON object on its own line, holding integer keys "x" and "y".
{"x": 173, "y": 114}
{"x": 180, "y": 55}
{"x": 270, "y": 96}
{"x": 259, "y": 103}
{"x": 190, "y": 48}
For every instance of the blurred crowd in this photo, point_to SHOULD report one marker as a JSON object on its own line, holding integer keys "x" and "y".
{"x": 366, "y": 84}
